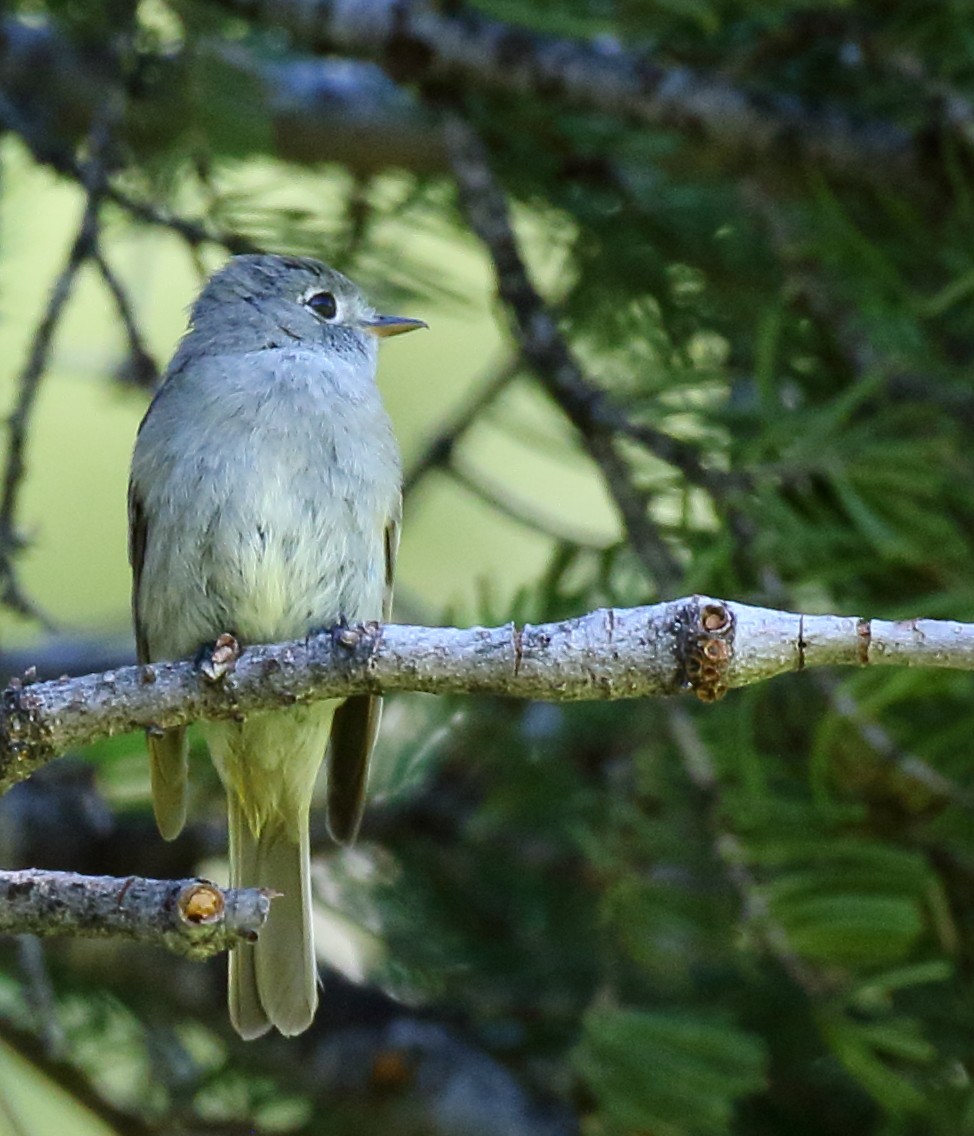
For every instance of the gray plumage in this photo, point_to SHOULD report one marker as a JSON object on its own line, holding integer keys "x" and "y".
{"x": 264, "y": 500}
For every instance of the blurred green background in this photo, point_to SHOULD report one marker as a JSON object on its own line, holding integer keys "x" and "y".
{"x": 752, "y": 918}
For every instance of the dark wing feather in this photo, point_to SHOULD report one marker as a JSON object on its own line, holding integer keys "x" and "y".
{"x": 168, "y": 751}
{"x": 353, "y": 732}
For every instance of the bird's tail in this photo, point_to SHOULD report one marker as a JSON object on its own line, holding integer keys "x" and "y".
{"x": 273, "y": 982}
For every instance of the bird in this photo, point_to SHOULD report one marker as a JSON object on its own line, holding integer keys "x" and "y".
{"x": 265, "y": 502}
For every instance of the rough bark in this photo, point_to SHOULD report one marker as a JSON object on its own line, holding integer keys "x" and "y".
{"x": 192, "y": 917}
{"x": 697, "y": 644}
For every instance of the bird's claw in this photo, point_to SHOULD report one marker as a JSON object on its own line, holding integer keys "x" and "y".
{"x": 216, "y": 662}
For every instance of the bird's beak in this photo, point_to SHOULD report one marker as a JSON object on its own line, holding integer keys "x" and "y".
{"x": 382, "y": 326}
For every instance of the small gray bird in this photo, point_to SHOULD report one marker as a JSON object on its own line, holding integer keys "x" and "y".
{"x": 264, "y": 501}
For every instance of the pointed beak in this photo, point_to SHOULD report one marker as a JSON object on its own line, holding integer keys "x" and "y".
{"x": 382, "y": 326}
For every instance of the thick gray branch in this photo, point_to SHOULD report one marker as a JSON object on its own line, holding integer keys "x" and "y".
{"x": 695, "y": 644}
{"x": 455, "y": 44}
{"x": 190, "y": 917}
{"x": 311, "y": 110}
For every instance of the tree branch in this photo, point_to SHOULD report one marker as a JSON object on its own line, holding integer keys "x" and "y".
{"x": 191, "y": 917}
{"x": 454, "y": 44}
{"x": 515, "y": 508}
{"x": 546, "y": 351}
{"x": 92, "y": 175}
{"x": 312, "y": 110}
{"x": 139, "y": 369}
{"x": 439, "y": 450}
{"x": 696, "y": 644}
{"x": 18, "y": 424}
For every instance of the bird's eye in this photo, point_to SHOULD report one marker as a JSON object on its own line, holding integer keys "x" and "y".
{"x": 323, "y": 305}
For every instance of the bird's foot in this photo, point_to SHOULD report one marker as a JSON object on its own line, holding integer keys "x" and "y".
{"x": 344, "y": 635}
{"x": 216, "y": 660}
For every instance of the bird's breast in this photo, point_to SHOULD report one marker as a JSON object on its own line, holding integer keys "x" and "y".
{"x": 271, "y": 522}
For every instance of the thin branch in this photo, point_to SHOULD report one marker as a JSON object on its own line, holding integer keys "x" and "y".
{"x": 191, "y": 917}
{"x": 522, "y": 512}
{"x": 439, "y": 449}
{"x": 193, "y": 231}
{"x": 633, "y": 504}
{"x": 545, "y": 349}
{"x": 28, "y": 385}
{"x": 907, "y": 765}
{"x": 673, "y": 451}
{"x": 698, "y": 644}
{"x": 140, "y": 368}
{"x": 39, "y": 993}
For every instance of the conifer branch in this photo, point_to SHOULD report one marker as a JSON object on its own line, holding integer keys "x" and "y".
{"x": 455, "y": 44}
{"x": 92, "y": 175}
{"x": 547, "y": 351}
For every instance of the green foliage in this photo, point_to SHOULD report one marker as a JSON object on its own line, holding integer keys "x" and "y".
{"x": 670, "y": 1074}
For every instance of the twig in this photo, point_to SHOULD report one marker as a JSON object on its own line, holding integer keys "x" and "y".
{"x": 698, "y": 644}
{"x": 140, "y": 368}
{"x": 673, "y": 451}
{"x": 522, "y": 512}
{"x": 28, "y": 385}
{"x": 907, "y": 765}
{"x": 191, "y": 917}
{"x": 545, "y": 349}
{"x": 39, "y": 993}
{"x": 193, "y": 231}
{"x": 439, "y": 449}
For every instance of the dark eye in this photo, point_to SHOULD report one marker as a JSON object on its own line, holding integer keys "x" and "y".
{"x": 323, "y": 305}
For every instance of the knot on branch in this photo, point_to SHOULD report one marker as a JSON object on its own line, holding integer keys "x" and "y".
{"x": 706, "y": 648}
{"x": 200, "y": 902}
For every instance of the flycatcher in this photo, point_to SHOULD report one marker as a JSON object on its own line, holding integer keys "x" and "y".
{"x": 264, "y": 501}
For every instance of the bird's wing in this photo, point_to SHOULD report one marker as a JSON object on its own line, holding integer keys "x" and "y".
{"x": 354, "y": 729}
{"x": 168, "y": 750}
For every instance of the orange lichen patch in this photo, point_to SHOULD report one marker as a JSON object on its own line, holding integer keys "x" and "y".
{"x": 200, "y": 902}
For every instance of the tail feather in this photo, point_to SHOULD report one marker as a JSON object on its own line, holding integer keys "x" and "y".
{"x": 353, "y": 732}
{"x": 246, "y": 1013}
{"x": 169, "y": 766}
{"x": 274, "y": 982}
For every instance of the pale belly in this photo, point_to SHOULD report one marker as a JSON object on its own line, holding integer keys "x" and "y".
{"x": 266, "y": 564}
